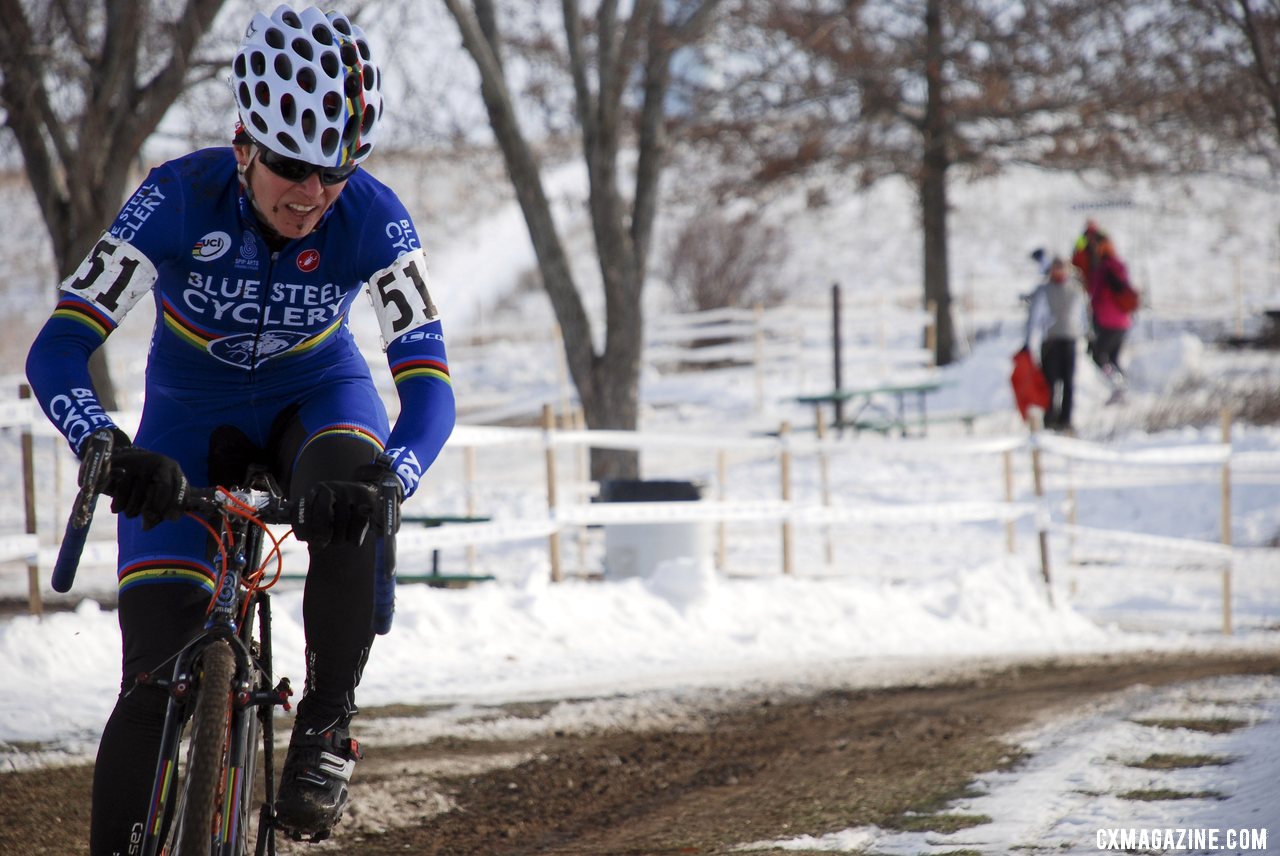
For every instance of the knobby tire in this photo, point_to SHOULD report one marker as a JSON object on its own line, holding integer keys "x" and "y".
{"x": 253, "y": 745}
{"x": 206, "y": 753}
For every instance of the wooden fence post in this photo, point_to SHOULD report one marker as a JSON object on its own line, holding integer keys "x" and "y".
{"x": 583, "y": 475}
{"x": 35, "y": 602}
{"x": 553, "y": 540}
{"x": 1042, "y": 524}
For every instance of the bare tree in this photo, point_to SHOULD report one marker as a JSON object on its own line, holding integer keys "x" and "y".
{"x": 620, "y": 67}
{"x": 717, "y": 261}
{"x": 1216, "y": 67}
{"x": 917, "y": 88}
{"x": 81, "y": 92}
{"x": 1258, "y": 52}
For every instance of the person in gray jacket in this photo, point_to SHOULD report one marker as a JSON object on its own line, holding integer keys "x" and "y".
{"x": 1057, "y": 316}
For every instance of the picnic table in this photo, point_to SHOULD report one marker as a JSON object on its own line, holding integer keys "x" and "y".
{"x": 435, "y": 578}
{"x": 881, "y": 407}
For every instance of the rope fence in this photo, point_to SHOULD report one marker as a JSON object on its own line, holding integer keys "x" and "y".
{"x": 569, "y": 503}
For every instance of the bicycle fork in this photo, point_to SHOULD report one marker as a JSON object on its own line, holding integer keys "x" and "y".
{"x": 246, "y": 704}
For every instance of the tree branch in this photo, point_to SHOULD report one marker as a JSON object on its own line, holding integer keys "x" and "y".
{"x": 155, "y": 98}
{"x": 32, "y": 119}
{"x": 578, "y": 71}
{"x": 527, "y": 183}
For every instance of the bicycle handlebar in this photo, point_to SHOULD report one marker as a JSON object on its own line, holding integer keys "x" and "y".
{"x": 93, "y": 476}
{"x": 269, "y": 507}
{"x": 384, "y": 552}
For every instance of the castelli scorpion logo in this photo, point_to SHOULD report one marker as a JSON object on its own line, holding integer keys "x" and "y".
{"x": 308, "y": 260}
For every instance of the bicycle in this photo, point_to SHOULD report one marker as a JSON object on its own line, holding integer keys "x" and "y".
{"x": 220, "y": 688}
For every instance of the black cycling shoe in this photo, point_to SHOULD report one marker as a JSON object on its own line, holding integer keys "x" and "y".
{"x": 313, "y": 785}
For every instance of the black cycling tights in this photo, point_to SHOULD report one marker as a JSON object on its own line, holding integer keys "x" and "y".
{"x": 156, "y": 620}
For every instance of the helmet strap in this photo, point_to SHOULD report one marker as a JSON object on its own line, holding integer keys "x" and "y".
{"x": 242, "y": 172}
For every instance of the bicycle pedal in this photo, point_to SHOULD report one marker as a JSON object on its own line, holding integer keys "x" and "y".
{"x": 309, "y": 838}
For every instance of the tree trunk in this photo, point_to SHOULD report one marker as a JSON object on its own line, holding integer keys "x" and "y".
{"x": 608, "y": 383}
{"x": 81, "y": 115}
{"x": 596, "y": 378}
{"x": 933, "y": 187}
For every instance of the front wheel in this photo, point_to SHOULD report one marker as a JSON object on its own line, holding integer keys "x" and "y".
{"x": 196, "y": 811}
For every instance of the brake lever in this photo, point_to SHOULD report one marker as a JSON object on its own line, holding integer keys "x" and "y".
{"x": 93, "y": 476}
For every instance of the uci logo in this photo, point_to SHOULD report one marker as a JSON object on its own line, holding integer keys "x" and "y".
{"x": 211, "y": 246}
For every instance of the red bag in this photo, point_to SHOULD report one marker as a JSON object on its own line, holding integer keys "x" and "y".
{"x": 1122, "y": 291}
{"x": 1127, "y": 300}
{"x": 1030, "y": 389}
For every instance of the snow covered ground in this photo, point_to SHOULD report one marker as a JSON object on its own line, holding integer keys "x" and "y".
{"x": 898, "y": 602}
{"x": 1194, "y": 762}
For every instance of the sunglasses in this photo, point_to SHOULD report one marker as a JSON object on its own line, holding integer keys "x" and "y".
{"x": 298, "y": 171}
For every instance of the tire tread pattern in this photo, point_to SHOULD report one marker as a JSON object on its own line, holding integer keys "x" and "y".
{"x": 206, "y": 755}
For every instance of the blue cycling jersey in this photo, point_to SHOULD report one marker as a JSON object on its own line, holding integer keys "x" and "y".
{"x": 237, "y": 322}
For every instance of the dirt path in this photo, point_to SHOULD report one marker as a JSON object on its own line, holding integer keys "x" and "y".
{"x": 767, "y": 768}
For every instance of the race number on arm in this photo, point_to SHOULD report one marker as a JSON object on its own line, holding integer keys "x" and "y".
{"x": 112, "y": 277}
{"x": 400, "y": 297}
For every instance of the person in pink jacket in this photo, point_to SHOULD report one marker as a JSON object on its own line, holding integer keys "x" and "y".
{"x": 1111, "y": 323}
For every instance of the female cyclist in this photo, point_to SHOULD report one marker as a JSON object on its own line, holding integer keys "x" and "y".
{"x": 253, "y": 256}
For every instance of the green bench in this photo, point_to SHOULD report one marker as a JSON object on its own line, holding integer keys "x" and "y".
{"x": 885, "y": 426}
{"x": 869, "y": 410}
{"x": 435, "y": 578}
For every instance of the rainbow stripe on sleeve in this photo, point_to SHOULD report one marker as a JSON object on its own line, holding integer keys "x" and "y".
{"x": 82, "y": 312}
{"x": 418, "y": 367}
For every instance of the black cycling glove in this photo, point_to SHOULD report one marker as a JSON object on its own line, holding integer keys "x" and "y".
{"x": 141, "y": 482}
{"x": 386, "y": 483}
{"x": 335, "y": 512}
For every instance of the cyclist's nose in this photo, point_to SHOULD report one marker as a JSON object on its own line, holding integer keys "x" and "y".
{"x": 311, "y": 185}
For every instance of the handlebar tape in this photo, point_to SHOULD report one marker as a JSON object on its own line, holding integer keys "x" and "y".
{"x": 93, "y": 471}
{"x": 384, "y": 567}
{"x": 64, "y": 570}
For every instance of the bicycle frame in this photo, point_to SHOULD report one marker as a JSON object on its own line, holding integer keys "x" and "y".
{"x": 250, "y": 698}
{"x": 251, "y": 701}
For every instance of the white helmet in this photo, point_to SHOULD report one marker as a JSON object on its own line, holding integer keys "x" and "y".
{"x": 307, "y": 87}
